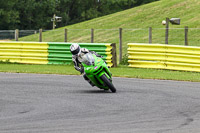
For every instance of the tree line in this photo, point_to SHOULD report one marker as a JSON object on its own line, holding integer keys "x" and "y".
{"x": 35, "y": 14}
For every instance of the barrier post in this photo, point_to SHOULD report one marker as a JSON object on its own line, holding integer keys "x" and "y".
{"x": 114, "y": 54}
{"x": 92, "y": 35}
{"x": 167, "y": 31}
{"x": 150, "y": 34}
{"x": 16, "y": 34}
{"x": 186, "y": 35}
{"x": 65, "y": 35}
{"x": 120, "y": 45}
{"x": 40, "y": 37}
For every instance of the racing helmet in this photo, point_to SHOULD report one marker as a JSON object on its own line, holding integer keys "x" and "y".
{"x": 75, "y": 49}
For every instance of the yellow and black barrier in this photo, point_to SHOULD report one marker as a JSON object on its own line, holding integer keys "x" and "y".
{"x": 163, "y": 56}
{"x": 50, "y": 53}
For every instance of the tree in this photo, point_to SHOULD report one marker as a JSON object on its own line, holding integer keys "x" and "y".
{"x": 9, "y": 16}
{"x": 35, "y": 14}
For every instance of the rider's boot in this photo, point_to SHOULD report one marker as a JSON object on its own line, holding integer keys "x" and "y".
{"x": 88, "y": 80}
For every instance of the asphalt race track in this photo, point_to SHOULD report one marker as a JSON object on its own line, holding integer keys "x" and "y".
{"x": 35, "y": 103}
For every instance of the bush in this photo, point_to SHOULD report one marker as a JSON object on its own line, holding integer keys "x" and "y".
{"x": 124, "y": 60}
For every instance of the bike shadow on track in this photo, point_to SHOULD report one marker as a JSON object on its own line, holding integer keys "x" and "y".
{"x": 94, "y": 91}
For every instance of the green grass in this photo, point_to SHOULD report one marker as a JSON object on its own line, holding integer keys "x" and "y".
{"x": 43, "y": 69}
{"x": 140, "y": 18}
{"x": 143, "y": 73}
{"x": 135, "y": 23}
{"x": 121, "y": 71}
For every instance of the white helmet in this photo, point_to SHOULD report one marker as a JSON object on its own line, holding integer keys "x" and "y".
{"x": 75, "y": 49}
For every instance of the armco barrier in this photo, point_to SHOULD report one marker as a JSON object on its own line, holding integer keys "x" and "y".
{"x": 24, "y": 52}
{"x": 51, "y": 53}
{"x": 163, "y": 56}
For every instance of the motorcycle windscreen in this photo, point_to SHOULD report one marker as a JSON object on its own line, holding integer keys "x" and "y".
{"x": 87, "y": 59}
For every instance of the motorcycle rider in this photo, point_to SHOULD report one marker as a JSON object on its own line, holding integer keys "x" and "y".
{"x": 76, "y": 51}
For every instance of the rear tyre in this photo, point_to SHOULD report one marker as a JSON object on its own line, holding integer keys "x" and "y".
{"x": 108, "y": 83}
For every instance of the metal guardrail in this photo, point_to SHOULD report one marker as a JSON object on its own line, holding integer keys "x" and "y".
{"x": 163, "y": 56}
{"x": 24, "y": 52}
{"x": 177, "y": 36}
{"x": 59, "y": 53}
{"x": 51, "y": 52}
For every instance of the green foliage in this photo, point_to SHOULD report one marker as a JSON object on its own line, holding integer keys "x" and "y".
{"x": 135, "y": 23}
{"x": 35, "y": 14}
{"x": 124, "y": 60}
{"x": 8, "y": 14}
{"x": 7, "y": 62}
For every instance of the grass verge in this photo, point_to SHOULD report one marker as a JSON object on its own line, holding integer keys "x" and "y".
{"x": 121, "y": 71}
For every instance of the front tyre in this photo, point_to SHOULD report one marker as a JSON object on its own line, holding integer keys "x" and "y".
{"x": 108, "y": 83}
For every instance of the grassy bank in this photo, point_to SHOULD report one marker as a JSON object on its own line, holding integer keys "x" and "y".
{"x": 135, "y": 23}
{"x": 121, "y": 71}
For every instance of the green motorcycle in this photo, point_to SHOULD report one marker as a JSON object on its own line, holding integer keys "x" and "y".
{"x": 97, "y": 71}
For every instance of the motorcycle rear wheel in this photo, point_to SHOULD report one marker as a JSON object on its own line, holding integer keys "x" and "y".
{"x": 108, "y": 83}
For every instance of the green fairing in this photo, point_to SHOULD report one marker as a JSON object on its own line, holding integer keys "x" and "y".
{"x": 94, "y": 72}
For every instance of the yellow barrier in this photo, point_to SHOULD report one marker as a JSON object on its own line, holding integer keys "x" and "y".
{"x": 162, "y": 56}
{"x": 24, "y": 52}
{"x": 50, "y": 53}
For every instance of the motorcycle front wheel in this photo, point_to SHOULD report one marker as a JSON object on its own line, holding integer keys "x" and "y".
{"x": 108, "y": 83}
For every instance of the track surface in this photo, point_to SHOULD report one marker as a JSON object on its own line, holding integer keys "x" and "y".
{"x": 34, "y": 103}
